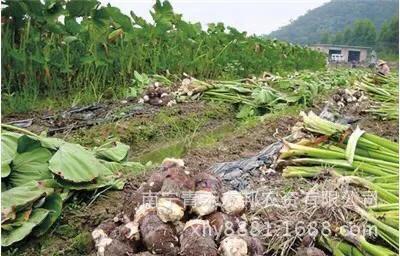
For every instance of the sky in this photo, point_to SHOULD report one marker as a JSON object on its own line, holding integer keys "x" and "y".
{"x": 253, "y": 16}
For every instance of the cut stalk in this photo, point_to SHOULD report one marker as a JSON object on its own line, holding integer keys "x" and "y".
{"x": 382, "y": 193}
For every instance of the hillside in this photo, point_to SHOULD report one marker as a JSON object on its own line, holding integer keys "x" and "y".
{"x": 334, "y": 17}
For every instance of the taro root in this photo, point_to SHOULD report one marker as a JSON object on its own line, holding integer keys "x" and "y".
{"x": 101, "y": 240}
{"x": 177, "y": 180}
{"x": 309, "y": 251}
{"x": 205, "y": 199}
{"x": 207, "y": 182}
{"x": 131, "y": 230}
{"x": 233, "y": 246}
{"x": 101, "y": 235}
{"x": 157, "y": 178}
{"x": 170, "y": 209}
{"x": 158, "y": 237}
{"x": 122, "y": 240}
{"x": 179, "y": 226}
{"x": 233, "y": 202}
{"x": 204, "y": 202}
{"x": 223, "y": 223}
{"x": 172, "y": 162}
{"x": 118, "y": 248}
{"x": 134, "y": 200}
{"x": 197, "y": 238}
{"x": 111, "y": 239}
{"x": 107, "y": 226}
{"x": 155, "y": 181}
{"x": 107, "y": 246}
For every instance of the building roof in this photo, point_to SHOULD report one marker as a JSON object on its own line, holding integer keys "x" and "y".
{"x": 341, "y": 46}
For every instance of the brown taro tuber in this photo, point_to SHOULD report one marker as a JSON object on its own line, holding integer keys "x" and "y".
{"x": 158, "y": 237}
{"x": 237, "y": 245}
{"x": 107, "y": 226}
{"x": 154, "y": 184}
{"x": 224, "y": 224}
{"x": 205, "y": 199}
{"x": 204, "y": 203}
{"x": 233, "y": 246}
{"x": 208, "y": 182}
{"x": 197, "y": 238}
{"x": 233, "y": 202}
{"x": 157, "y": 178}
{"x": 177, "y": 180}
{"x": 155, "y": 181}
{"x": 171, "y": 162}
{"x": 111, "y": 239}
{"x": 170, "y": 209}
{"x": 134, "y": 200}
{"x": 107, "y": 246}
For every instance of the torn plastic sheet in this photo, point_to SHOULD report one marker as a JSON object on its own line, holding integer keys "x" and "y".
{"x": 238, "y": 172}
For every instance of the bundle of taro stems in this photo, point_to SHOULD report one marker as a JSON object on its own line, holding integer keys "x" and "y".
{"x": 383, "y": 90}
{"x": 357, "y": 158}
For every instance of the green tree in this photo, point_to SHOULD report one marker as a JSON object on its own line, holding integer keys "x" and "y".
{"x": 347, "y": 35}
{"x": 388, "y": 39}
{"x": 339, "y": 38}
{"x": 363, "y": 33}
{"x": 325, "y": 38}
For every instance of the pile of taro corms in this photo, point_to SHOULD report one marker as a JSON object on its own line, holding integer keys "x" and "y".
{"x": 178, "y": 213}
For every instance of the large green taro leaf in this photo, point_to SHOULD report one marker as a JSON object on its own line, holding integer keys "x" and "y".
{"x": 21, "y": 197}
{"x": 77, "y": 8}
{"x": 28, "y": 143}
{"x": 9, "y": 143}
{"x": 29, "y": 166}
{"x": 53, "y": 204}
{"x": 24, "y": 228}
{"x": 74, "y": 163}
{"x": 112, "y": 151}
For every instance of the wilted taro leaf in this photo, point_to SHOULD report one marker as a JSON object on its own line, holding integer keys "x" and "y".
{"x": 25, "y": 227}
{"x": 74, "y": 163}
{"x": 264, "y": 96}
{"x": 31, "y": 165}
{"x": 18, "y": 198}
{"x": 9, "y": 143}
{"x": 112, "y": 151}
{"x": 245, "y": 111}
{"x": 53, "y": 204}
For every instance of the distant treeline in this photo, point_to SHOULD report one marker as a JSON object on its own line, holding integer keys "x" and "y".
{"x": 364, "y": 33}
{"x": 335, "y": 16}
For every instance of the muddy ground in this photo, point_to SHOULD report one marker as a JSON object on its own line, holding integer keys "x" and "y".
{"x": 149, "y": 133}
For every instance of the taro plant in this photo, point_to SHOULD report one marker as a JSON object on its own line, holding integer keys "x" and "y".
{"x": 60, "y": 47}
